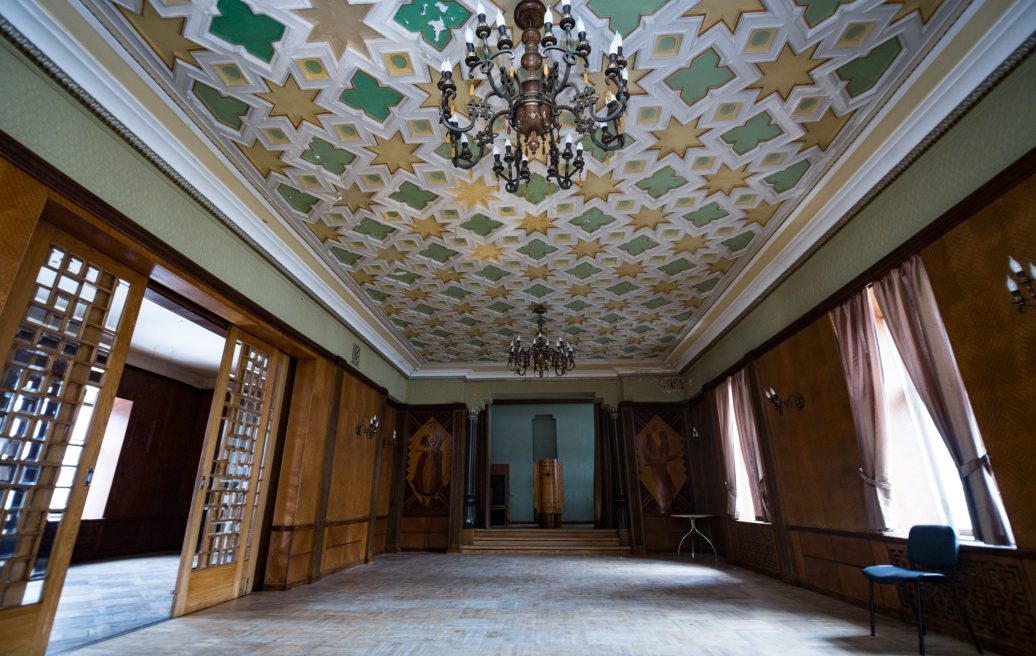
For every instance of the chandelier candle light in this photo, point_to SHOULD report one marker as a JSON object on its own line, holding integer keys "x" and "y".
{"x": 541, "y": 355}
{"x": 534, "y": 98}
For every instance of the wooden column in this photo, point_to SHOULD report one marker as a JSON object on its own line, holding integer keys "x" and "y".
{"x": 376, "y": 483}
{"x": 456, "y": 520}
{"x": 470, "y": 470}
{"x": 622, "y": 520}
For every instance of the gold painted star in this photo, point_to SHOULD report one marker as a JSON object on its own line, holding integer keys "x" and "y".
{"x": 295, "y": 103}
{"x": 925, "y": 8}
{"x": 726, "y": 180}
{"x": 164, "y": 35}
{"x": 433, "y": 94}
{"x": 415, "y": 294}
{"x": 721, "y": 266}
{"x": 762, "y": 213}
{"x": 339, "y": 24}
{"x": 536, "y": 223}
{"x": 580, "y": 289}
{"x": 606, "y": 330}
{"x": 616, "y": 305}
{"x": 540, "y": 272}
{"x": 630, "y": 269}
{"x": 664, "y": 287}
{"x": 464, "y": 308}
{"x": 822, "y": 132}
{"x": 362, "y": 277}
{"x": 587, "y": 248}
{"x": 598, "y": 186}
{"x": 394, "y": 153}
{"x": 647, "y": 218}
{"x": 354, "y": 198}
{"x": 472, "y": 193}
{"x": 428, "y": 227}
{"x": 324, "y": 232}
{"x": 499, "y": 292}
{"x": 674, "y": 328}
{"x": 689, "y": 244}
{"x": 487, "y": 252}
{"x": 677, "y": 138}
{"x": 449, "y": 275}
{"x": 726, "y": 11}
{"x": 790, "y": 70}
{"x": 391, "y": 255}
{"x": 693, "y": 303}
{"x": 262, "y": 159}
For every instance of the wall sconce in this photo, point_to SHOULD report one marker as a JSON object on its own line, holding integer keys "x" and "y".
{"x": 694, "y": 433}
{"x": 795, "y": 400}
{"x": 371, "y": 429}
{"x": 1021, "y": 281}
{"x": 390, "y": 441}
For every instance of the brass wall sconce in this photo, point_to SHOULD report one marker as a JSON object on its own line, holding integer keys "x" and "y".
{"x": 390, "y": 441}
{"x": 1021, "y": 282}
{"x": 371, "y": 429}
{"x": 782, "y": 406}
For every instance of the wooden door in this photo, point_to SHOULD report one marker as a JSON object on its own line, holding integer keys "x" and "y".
{"x": 218, "y": 559}
{"x": 64, "y": 335}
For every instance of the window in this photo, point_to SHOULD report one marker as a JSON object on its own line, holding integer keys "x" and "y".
{"x": 744, "y": 507}
{"x": 925, "y": 484}
{"x": 740, "y": 450}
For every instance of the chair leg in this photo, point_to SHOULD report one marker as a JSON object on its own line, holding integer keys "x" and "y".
{"x": 964, "y": 616}
{"x": 920, "y": 617}
{"x": 871, "y": 586}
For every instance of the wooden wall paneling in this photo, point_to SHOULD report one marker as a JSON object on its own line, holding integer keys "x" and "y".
{"x": 482, "y": 470}
{"x": 386, "y": 471}
{"x": 628, "y": 431}
{"x": 815, "y": 452}
{"x": 24, "y": 199}
{"x": 398, "y": 482}
{"x": 375, "y": 493}
{"x": 460, "y": 448}
{"x": 708, "y": 493}
{"x": 994, "y": 344}
{"x": 330, "y": 441}
{"x": 429, "y": 477}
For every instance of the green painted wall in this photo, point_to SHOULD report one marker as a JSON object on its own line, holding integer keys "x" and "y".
{"x": 995, "y": 133}
{"x": 38, "y": 113}
{"x": 478, "y": 393}
{"x": 511, "y": 444}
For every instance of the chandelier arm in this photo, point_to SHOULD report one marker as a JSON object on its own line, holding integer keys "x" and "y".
{"x": 613, "y": 116}
{"x": 619, "y": 140}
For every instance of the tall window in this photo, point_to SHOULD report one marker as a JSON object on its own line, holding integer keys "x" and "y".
{"x": 744, "y": 508}
{"x": 924, "y": 480}
{"x": 743, "y": 464}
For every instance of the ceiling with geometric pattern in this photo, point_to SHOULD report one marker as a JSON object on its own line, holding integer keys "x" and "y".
{"x": 329, "y": 109}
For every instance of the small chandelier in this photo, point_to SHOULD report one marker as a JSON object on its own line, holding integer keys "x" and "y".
{"x": 535, "y": 98}
{"x": 541, "y": 355}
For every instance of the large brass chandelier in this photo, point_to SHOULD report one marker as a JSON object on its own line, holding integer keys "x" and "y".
{"x": 535, "y": 98}
{"x": 540, "y": 355}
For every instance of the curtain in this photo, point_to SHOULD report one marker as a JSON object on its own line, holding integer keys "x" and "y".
{"x": 719, "y": 398}
{"x": 858, "y": 347}
{"x": 746, "y": 428}
{"x": 908, "y": 303}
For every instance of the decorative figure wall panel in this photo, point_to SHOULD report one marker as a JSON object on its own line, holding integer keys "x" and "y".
{"x": 429, "y": 461}
{"x": 661, "y": 465}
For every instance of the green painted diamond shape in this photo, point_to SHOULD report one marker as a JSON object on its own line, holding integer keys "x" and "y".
{"x": 574, "y": 330}
{"x": 405, "y": 277}
{"x": 372, "y": 228}
{"x": 323, "y": 154}
{"x": 468, "y": 321}
{"x": 348, "y": 258}
{"x": 863, "y": 73}
{"x": 676, "y": 266}
{"x": 493, "y": 272}
{"x": 424, "y": 308}
{"x": 537, "y": 189}
{"x": 707, "y": 286}
{"x": 624, "y": 16}
{"x": 500, "y": 307}
{"x": 375, "y": 294}
{"x": 439, "y": 253}
{"x": 413, "y": 195}
{"x": 611, "y": 318}
{"x": 226, "y": 109}
{"x": 662, "y": 182}
{"x": 457, "y": 292}
{"x": 577, "y": 305}
{"x": 739, "y": 242}
{"x": 584, "y": 270}
{"x": 539, "y": 290}
{"x": 656, "y": 303}
{"x": 537, "y": 249}
{"x": 432, "y": 20}
{"x": 592, "y": 220}
{"x": 299, "y": 200}
{"x": 703, "y": 75}
{"x": 758, "y": 129}
{"x": 370, "y": 97}
{"x": 639, "y": 245}
{"x": 622, "y": 288}
{"x": 481, "y": 225}
{"x": 784, "y": 180}
{"x": 705, "y": 215}
{"x": 684, "y": 316}
{"x": 239, "y": 25}
{"x": 640, "y": 330}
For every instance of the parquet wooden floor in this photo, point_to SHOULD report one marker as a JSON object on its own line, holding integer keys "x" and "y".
{"x": 422, "y": 603}
{"x": 109, "y": 597}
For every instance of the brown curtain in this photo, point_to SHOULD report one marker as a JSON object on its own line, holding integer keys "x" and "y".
{"x": 719, "y": 397}
{"x": 746, "y": 428}
{"x": 858, "y": 346}
{"x": 906, "y": 298}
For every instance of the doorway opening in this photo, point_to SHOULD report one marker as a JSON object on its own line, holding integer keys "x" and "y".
{"x": 127, "y": 552}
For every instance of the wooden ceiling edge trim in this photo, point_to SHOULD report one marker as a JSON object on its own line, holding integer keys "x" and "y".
{"x": 952, "y": 118}
{"x": 74, "y": 197}
{"x": 1001, "y": 183}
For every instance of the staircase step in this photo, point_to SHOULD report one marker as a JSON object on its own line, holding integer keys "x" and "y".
{"x": 546, "y": 541}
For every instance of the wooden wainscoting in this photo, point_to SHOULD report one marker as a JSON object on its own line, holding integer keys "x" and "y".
{"x": 755, "y": 546}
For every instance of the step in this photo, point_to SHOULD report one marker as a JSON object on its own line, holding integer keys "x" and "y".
{"x": 602, "y": 551}
{"x": 552, "y": 533}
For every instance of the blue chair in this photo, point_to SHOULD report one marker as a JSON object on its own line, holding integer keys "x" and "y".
{"x": 930, "y": 547}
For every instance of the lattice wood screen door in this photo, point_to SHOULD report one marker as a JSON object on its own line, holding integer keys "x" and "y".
{"x": 64, "y": 333}
{"x": 218, "y": 558}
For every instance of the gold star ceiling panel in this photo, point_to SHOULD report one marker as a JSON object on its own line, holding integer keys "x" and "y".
{"x": 330, "y": 110}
